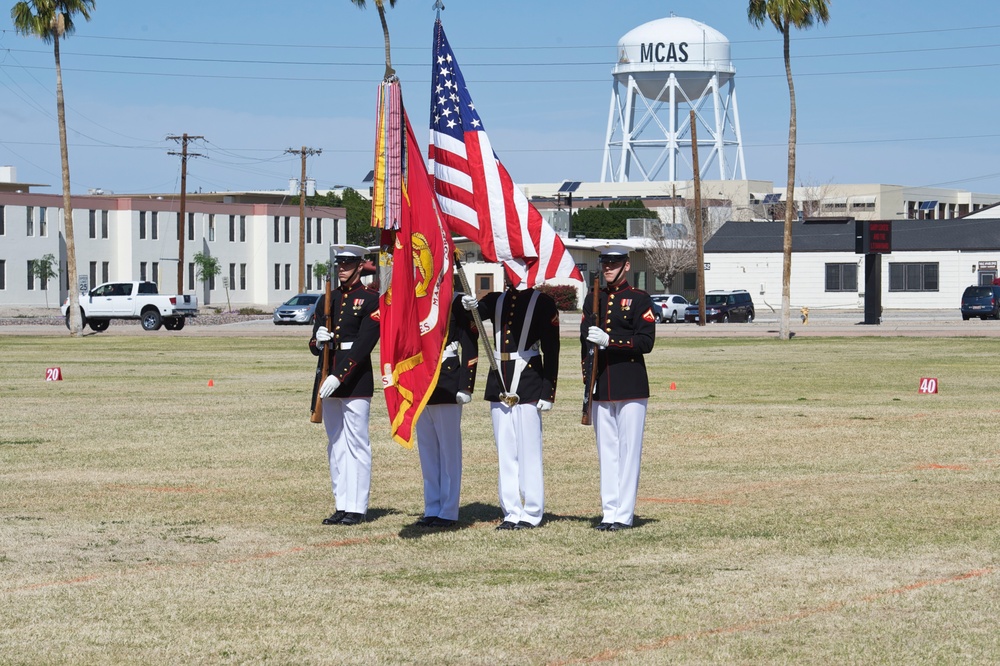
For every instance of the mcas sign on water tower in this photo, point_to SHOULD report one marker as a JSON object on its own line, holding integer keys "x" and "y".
{"x": 664, "y": 68}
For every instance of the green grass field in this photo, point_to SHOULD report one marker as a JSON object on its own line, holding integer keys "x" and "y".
{"x": 800, "y": 502}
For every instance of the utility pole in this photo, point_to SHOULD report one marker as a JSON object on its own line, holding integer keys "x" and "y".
{"x": 184, "y": 139}
{"x": 699, "y": 238}
{"x": 303, "y": 152}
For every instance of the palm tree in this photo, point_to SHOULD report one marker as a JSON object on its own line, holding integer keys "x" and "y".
{"x": 380, "y": 4}
{"x": 51, "y": 20}
{"x": 785, "y": 15}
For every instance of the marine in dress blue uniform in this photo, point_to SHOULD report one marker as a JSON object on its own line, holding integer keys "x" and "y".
{"x": 526, "y": 344}
{"x": 347, "y": 391}
{"x": 623, "y": 330}
{"x": 439, "y": 428}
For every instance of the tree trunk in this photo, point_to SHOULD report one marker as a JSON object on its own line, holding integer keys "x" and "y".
{"x": 75, "y": 327}
{"x": 786, "y": 267}
{"x": 389, "y": 71}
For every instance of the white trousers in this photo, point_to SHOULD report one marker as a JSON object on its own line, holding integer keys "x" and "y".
{"x": 618, "y": 425}
{"x": 349, "y": 451}
{"x": 518, "y": 433}
{"x": 439, "y": 443}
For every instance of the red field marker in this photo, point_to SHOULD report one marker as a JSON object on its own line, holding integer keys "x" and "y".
{"x": 53, "y": 375}
{"x": 928, "y": 385}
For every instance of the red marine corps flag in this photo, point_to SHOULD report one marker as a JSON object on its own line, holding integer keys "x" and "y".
{"x": 416, "y": 308}
{"x": 478, "y": 199}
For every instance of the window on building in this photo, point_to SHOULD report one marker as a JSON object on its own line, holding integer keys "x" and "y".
{"x": 105, "y": 272}
{"x": 690, "y": 281}
{"x": 43, "y": 229}
{"x": 154, "y": 276}
{"x": 232, "y": 276}
{"x": 319, "y": 230}
{"x": 277, "y": 277}
{"x": 842, "y": 277}
{"x": 288, "y": 229}
{"x": 232, "y": 228}
{"x": 913, "y": 277}
{"x": 308, "y": 226}
{"x": 190, "y": 226}
{"x": 277, "y": 229}
{"x": 243, "y": 277}
{"x": 3, "y": 274}
{"x": 31, "y": 274}
{"x": 142, "y": 271}
{"x": 211, "y": 283}
{"x": 104, "y": 224}
{"x": 309, "y": 277}
{"x": 92, "y": 273}
{"x": 142, "y": 225}
{"x": 484, "y": 282}
{"x": 243, "y": 228}
{"x": 211, "y": 227}
{"x": 3, "y": 223}
{"x": 191, "y": 276}
{"x": 154, "y": 225}
{"x": 93, "y": 224}
{"x": 30, "y": 220}
{"x": 288, "y": 277}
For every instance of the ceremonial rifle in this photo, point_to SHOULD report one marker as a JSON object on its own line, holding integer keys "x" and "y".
{"x": 590, "y": 369}
{"x": 317, "y": 412}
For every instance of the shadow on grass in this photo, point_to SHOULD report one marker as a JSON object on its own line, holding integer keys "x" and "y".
{"x": 479, "y": 514}
{"x": 469, "y": 516}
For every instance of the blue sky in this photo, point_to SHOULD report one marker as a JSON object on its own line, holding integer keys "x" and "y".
{"x": 901, "y": 93}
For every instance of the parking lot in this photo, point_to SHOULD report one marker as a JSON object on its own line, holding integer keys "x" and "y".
{"x": 840, "y": 323}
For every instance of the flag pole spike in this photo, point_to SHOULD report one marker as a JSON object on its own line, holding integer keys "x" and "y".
{"x": 438, "y": 5}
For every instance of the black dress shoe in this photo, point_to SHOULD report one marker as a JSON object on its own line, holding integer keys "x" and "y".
{"x": 524, "y": 525}
{"x": 352, "y": 518}
{"x": 603, "y": 527}
{"x": 507, "y": 525}
{"x": 427, "y": 521}
{"x": 443, "y": 522}
{"x": 334, "y": 518}
{"x": 617, "y": 527}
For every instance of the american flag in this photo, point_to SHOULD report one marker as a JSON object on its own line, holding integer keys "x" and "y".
{"x": 476, "y": 195}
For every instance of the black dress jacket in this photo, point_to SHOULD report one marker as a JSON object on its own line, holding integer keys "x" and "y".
{"x": 458, "y": 367}
{"x": 355, "y": 329}
{"x": 538, "y": 379}
{"x": 625, "y": 314}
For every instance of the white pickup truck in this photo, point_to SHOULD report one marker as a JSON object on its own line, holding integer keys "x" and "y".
{"x": 133, "y": 300}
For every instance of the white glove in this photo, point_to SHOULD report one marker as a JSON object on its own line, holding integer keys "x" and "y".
{"x": 329, "y": 386}
{"x": 323, "y": 335}
{"x": 470, "y": 302}
{"x": 598, "y": 337}
{"x": 544, "y": 405}
{"x": 463, "y": 398}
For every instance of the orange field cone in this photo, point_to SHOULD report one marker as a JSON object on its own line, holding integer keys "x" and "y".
{"x": 673, "y": 386}
{"x": 211, "y": 382}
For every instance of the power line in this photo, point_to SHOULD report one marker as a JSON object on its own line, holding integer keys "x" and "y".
{"x": 598, "y": 63}
{"x": 541, "y": 47}
{"x": 316, "y": 79}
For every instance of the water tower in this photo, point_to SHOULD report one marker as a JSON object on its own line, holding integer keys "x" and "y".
{"x": 665, "y": 69}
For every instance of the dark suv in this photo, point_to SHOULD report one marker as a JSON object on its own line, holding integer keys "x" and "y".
{"x": 982, "y": 302}
{"x": 724, "y": 306}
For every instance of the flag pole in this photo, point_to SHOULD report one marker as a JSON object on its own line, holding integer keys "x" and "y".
{"x": 485, "y": 338}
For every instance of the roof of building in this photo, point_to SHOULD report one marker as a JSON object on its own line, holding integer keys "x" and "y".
{"x": 837, "y": 235}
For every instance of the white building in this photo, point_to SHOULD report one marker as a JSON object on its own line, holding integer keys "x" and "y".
{"x": 254, "y": 235}
{"x": 931, "y": 263}
{"x": 136, "y": 238}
